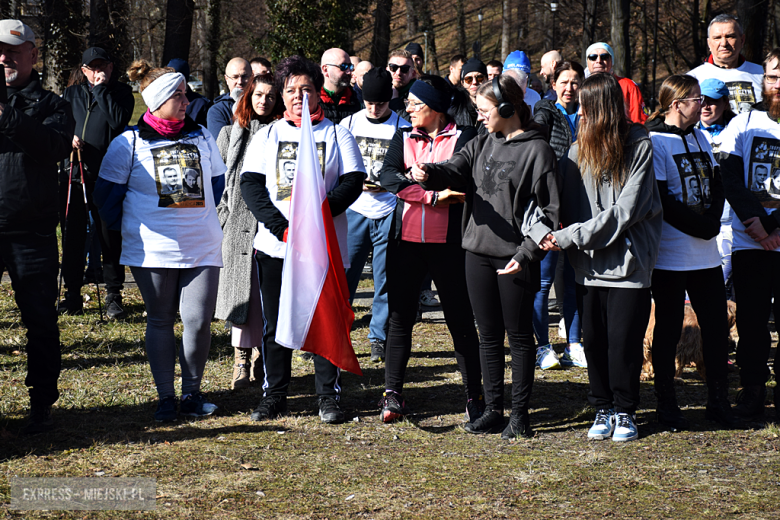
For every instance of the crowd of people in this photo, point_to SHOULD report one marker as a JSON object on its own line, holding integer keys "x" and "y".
{"x": 473, "y": 181}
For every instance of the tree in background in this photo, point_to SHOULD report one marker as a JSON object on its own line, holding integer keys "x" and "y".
{"x": 108, "y": 30}
{"x": 63, "y": 27}
{"x": 178, "y": 29}
{"x": 380, "y": 44}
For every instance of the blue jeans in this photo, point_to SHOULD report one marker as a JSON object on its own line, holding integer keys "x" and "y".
{"x": 31, "y": 261}
{"x": 571, "y": 316}
{"x": 363, "y": 235}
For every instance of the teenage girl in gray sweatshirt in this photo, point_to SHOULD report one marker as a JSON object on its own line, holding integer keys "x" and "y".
{"x": 612, "y": 210}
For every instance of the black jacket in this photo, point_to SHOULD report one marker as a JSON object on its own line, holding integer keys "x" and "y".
{"x": 336, "y": 112}
{"x": 198, "y": 108}
{"x": 100, "y": 116}
{"x": 558, "y": 130}
{"x": 36, "y": 131}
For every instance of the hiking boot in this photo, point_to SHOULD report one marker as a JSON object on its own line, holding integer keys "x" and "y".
{"x": 475, "y": 407}
{"x": 625, "y": 428}
{"x": 377, "y": 351}
{"x": 114, "y": 308}
{"x": 718, "y": 406}
{"x": 72, "y": 305}
{"x": 428, "y": 299}
{"x": 393, "y": 406}
{"x": 241, "y": 366}
{"x": 330, "y": 411}
{"x": 492, "y": 421}
{"x": 667, "y": 413}
{"x": 546, "y": 358}
{"x": 40, "y": 420}
{"x": 196, "y": 405}
{"x": 519, "y": 426}
{"x": 603, "y": 426}
{"x": 166, "y": 410}
{"x": 270, "y": 407}
{"x": 750, "y": 402}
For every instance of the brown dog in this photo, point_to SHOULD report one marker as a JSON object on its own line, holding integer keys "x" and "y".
{"x": 689, "y": 349}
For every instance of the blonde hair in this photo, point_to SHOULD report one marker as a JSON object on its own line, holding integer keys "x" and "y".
{"x": 142, "y": 71}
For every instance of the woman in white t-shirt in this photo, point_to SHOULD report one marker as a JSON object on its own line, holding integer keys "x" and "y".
{"x": 171, "y": 237}
{"x": 688, "y": 258}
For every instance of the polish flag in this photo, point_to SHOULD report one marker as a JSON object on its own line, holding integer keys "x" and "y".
{"x": 314, "y": 310}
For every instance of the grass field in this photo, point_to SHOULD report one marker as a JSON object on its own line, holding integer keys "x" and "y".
{"x": 227, "y": 466}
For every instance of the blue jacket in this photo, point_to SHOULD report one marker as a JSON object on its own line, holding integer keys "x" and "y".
{"x": 220, "y": 114}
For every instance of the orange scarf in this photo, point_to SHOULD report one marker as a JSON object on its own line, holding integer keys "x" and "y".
{"x": 317, "y": 116}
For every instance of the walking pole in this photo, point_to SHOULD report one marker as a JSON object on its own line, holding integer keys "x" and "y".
{"x": 65, "y": 225}
{"x": 86, "y": 208}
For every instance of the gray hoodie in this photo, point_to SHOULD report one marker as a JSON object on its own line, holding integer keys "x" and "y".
{"x": 613, "y": 233}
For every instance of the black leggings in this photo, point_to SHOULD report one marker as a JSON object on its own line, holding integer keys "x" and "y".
{"x": 708, "y": 299}
{"x": 614, "y": 322}
{"x": 407, "y": 264}
{"x": 504, "y": 303}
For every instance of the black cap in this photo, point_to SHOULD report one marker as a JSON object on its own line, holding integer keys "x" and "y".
{"x": 94, "y": 53}
{"x": 377, "y": 85}
{"x": 415, "y": 49}
{"x": 473, "y": 65}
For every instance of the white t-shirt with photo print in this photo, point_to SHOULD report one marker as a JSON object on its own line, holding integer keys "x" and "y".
{"x": 273, "y": 152}
{"x": 373, "y": 139}
{"x": 687, "y": 177}
{"x": 745, "y": 83}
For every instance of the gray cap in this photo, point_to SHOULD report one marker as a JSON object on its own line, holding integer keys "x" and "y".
{"x": 14, "y": 32}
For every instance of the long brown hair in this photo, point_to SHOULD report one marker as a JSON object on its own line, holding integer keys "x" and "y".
{"x": 603, "y": 129}
{"x": 245, "y": 112}
{"x": 676, "y": 86}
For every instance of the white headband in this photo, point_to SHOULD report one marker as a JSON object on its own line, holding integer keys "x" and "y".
{"x": 160, "y": 90}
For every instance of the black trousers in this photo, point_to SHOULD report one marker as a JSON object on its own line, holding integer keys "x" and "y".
{"x": 277, "y": 360}
{"x": 31, "y": 261}
{"x": 504, "y": 303}
{"x": 756, "y": 280}
{"x": 614, "y": 321}
{"x": 407, "y": 265}
{"x": 75, "y": 238}
{"x": 708, "y": 299}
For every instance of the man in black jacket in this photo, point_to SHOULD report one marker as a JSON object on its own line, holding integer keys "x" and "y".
{"x": 102, "y": 108}
{"x": 36, "y": 130}
{"x": 337, "y": 98}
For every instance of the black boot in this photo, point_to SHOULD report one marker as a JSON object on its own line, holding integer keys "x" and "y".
{"x": 750, "y": 402}
{"x": 72, "y": 305}
{"x": 519, "y": 426}
{"x": 718, "y": 406}
{"x": 668, "y": 414}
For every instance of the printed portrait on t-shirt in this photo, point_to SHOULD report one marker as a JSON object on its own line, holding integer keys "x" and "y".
{"x": 287, "y": 164}
{"x": 695, "y": 171}
{"x": 763, "y": 163}
{"x": 741, "y": 96}
{"x": 179, "y": 176}
{"x": 373, "y": 150}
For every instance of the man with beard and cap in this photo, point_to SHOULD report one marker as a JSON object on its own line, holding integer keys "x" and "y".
{"x": 370, "y": 216}
{"x": 102, "y": 108}
{"x": 519, "y": 67}
{"x": 199, "y": 105}
{"x": 726, "y": 63}
{"x": 36, "y": 131}
{"x": 418, "y": 56}
{"x": 601, "y": 59}
{"x": 237, "y": 75}
{"x": 751, "y": 142}
{"x": 337, "y": 98}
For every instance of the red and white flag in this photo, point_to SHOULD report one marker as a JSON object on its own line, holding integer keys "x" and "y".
{"x": 314, "y": 310}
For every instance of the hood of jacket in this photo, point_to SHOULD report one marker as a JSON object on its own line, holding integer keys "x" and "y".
{"x": 658, "y": 125}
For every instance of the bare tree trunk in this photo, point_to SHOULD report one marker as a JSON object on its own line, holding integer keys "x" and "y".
{"x": 752, "y": 15}
{"x": 210, "y": 72}
{"x": 426, "y": 24}
{"x": 411, "y": 17}
{"x": 380, "y": 47}
{"x": 178, "y": 30}
{"x": 152, "y": 46}
{"x": 506, "y": 24}
{"x": 460, "y": 21}
{"x": 696, "y": 30}
{"x": 588, "y": 26}
{"x": 522, "y": 24}
{"x": 621, "y": 44}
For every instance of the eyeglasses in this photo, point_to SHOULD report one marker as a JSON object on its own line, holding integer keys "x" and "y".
{"x": 771, "y": 80}
{"x": 485, "y": 115}
{"x": 479, "y": 78}
{"x": 415, "y": 107}
{"x": 604, "y": 57}
{"x": 239, "y": 77}
{"x": 698, "y": 100}
{"x": 344, "y": 67}
{"x": 404, "y": 68}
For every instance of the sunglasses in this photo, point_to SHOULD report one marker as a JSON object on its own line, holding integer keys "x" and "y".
{"x": 604, "y": 57}
{"x": 344, "y": 67}
{"x": 404, "y": 68}
{"x": 479, "y": 78}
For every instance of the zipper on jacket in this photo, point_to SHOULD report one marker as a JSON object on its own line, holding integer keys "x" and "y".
{"x": 86, "y": 119}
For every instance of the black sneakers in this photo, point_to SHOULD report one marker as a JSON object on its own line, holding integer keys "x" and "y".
{"x": 519, "y": 426}
{"x": 72, "y": 305}
{"x": 750, "y": 402}
{"x": 377, "y": 351}
{"x": 270, "y": 407}
{"x": 197, "y": 405}
{"x": 475, "y": 407}
{"x": 668, "y": 414}
{"x": 114, "y": 308}
{"x": 166, "y": 410}
{"x": 330, "y": 411}
{"x": 492, "y": 421}
{"x": 393, "y": 407}
{"x": 40, "y": 420}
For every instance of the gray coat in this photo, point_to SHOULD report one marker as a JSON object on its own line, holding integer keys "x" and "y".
{"x": 238, "y": 225}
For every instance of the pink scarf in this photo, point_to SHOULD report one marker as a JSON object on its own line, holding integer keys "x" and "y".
{"x": 164, "y": 127}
